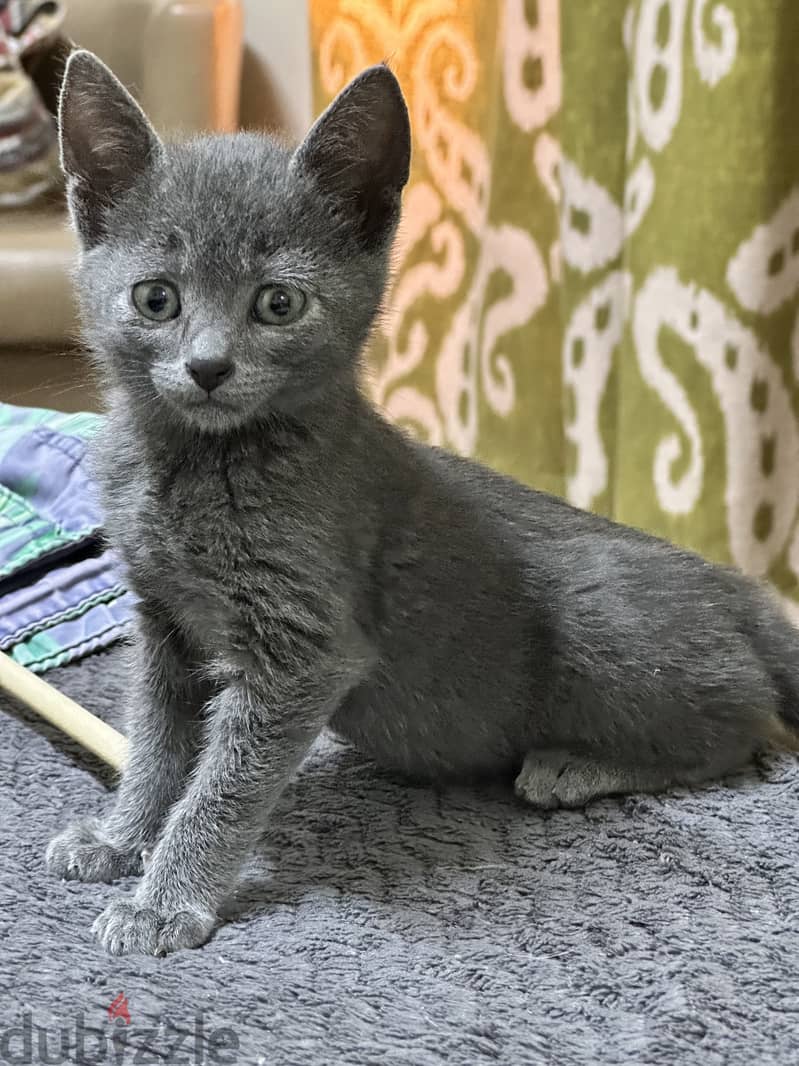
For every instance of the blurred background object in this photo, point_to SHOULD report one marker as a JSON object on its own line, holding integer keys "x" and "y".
{"x": 276, "y": 71}
{"x": 29, "y": 38}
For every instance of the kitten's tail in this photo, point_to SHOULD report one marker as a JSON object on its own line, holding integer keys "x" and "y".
{"x": 776, "y": 643}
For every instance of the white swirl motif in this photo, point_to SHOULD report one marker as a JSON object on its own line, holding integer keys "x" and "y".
{"x": 592, "y": 224}
{"x": 546, "y": 158}
{"x": 662, "y": 300}
{"x": 408, "y": 339}
{"x": 760, "y": 431}
{"x": 714, "y": 59}
{"x": 657, "y": 69}
{"x": 468, "y": 353}
{"x": 592, "y": 335}
{"x": 341, "y": 54}
{"x": 536, "y": 46}
{"x": 764, "y": 270}
{"x": 639, "y": 190}
{"x": 456, "y": 155}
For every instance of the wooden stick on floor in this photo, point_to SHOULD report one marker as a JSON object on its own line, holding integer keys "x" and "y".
{"x": 62, "y": 712}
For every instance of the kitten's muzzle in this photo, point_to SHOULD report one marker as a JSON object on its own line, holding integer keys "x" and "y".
{"x": 209, "y": 373}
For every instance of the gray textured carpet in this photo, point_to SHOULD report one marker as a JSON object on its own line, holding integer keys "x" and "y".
{"x": 387, "y": 924}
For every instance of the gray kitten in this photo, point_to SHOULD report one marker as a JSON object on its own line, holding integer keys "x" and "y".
{"x": 302, "y": 564}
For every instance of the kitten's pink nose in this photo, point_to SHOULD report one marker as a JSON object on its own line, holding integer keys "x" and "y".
{"x": 210, "y": 373}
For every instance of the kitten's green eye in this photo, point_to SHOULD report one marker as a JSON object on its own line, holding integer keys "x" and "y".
{"x": 277, "y": 305}
{"x": 157, "y": 300}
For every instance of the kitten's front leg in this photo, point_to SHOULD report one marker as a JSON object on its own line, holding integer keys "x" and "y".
{"x": 164, "y": 703}
{"x": 255, "y": 742}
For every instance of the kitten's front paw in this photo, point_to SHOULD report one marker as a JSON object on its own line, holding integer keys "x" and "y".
{"x": 80, "y": 853}
{"x": 127, "y": 927}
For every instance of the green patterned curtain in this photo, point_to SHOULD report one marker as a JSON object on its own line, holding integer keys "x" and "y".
{"x": 598, "y": 267}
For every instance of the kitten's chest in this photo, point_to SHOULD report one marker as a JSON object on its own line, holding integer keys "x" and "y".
{"x": 201, "y": 547}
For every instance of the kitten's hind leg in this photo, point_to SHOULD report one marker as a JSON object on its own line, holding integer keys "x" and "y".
{"x": 553, "y": 778}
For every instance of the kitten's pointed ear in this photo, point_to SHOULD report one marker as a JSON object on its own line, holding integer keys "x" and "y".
{"x": 359, "y": 151}
{"x": 106, "y": 142}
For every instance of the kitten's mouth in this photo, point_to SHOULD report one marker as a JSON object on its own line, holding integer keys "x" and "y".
{"x": 199, "y": 403}
{"x": 209, "y": 400}
{"x": 209, "y": 412}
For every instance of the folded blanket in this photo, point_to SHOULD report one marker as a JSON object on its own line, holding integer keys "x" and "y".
{"x": 61, "y": 594}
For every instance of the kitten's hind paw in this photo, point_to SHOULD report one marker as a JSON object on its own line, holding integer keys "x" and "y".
{"x": 80, "y": 853}
{"x": 538, "y": 777}
{"x": 553, "y": 778}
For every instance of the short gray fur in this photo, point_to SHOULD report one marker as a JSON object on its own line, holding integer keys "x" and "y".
{"x": 301, "y": 563}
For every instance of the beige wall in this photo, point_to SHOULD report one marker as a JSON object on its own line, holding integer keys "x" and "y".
{"x": 276, "y": 77}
